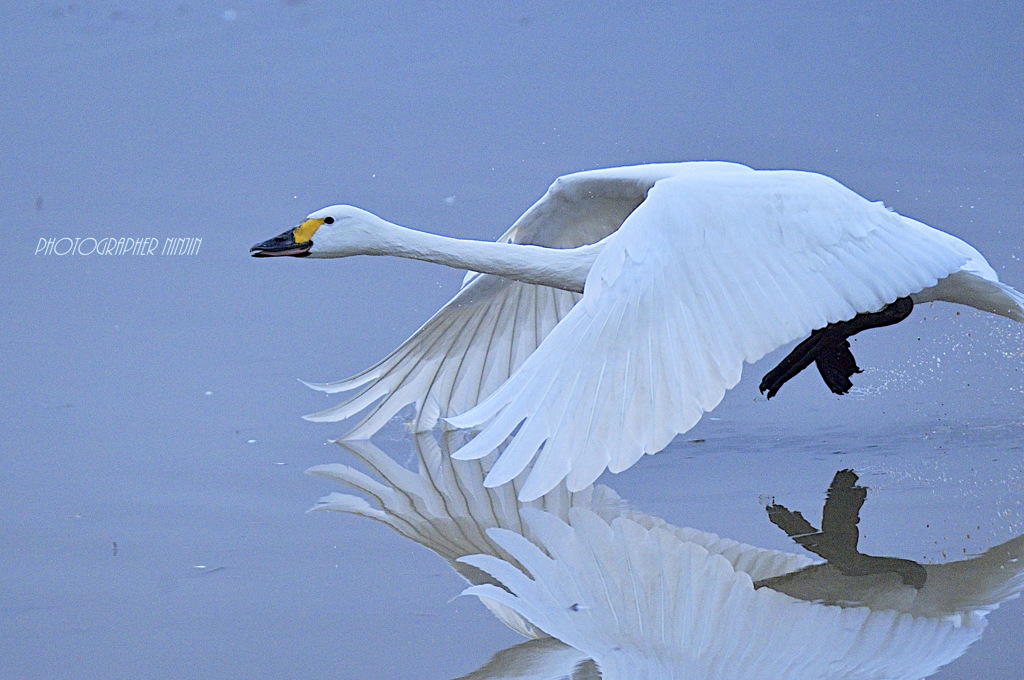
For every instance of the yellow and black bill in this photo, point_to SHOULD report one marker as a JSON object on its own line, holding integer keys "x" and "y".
{"x": 294, "y": 242}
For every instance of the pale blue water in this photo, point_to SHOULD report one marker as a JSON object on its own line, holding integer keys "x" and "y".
{"x": 151, "y": 402}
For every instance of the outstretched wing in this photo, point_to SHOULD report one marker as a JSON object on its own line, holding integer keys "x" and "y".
{"x": 712, "y": 270}
{"x": 468, "y": 348}
{"x": 477, "y": 340}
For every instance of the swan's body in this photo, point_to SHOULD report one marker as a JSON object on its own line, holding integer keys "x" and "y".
{"x": 687, "y": 270}
{"x": 647, "y": 599}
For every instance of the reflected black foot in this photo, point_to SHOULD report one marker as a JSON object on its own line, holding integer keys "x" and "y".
{"x": 837, "y": 541}
{"x": 829, "y": 349}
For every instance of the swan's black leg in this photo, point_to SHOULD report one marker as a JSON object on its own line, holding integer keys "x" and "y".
{"x": 829, "y": 349}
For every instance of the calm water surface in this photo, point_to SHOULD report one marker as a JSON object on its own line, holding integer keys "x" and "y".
{"x": 152, "y": 459}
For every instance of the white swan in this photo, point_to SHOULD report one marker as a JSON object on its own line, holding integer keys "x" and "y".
{"x": 687, "y": 270}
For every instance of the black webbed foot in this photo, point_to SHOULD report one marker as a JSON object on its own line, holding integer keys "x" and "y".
{"x": 829, "y": 349}
{"x": 836, "y": 365}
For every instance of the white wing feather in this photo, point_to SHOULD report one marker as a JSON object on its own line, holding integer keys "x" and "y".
{"x": 704, "y": 275}
{"x": 464, "y": 352}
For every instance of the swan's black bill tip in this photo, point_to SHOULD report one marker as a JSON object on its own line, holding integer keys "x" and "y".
{"x": 282, "y": 245}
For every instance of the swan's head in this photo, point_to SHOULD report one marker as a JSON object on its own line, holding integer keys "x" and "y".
{"x": 335, "y": 231}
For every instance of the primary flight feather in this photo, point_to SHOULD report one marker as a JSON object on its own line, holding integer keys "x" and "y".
{"x": 686, "y": 271}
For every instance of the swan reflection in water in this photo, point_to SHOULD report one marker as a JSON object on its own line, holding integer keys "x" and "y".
{"x": 604, "y": 591}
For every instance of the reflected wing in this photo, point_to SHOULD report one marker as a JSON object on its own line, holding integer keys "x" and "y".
{"x": 472, "y": 345}
{"x": 643, "y": 603}
{"x": 444, "y": 506}
{"x": 543, "y": 659}
{"x": 757, "y": 563}
{"x": 705, "y": 274}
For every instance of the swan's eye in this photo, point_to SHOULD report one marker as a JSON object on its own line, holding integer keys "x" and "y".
{"x": 328, "y": 220}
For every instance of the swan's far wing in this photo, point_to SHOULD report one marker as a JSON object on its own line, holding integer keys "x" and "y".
{"x": 468, "y": 348}
{"x": 704, "y": 275}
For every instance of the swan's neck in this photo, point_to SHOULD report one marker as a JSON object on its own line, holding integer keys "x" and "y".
{"x": 564, "y": 268}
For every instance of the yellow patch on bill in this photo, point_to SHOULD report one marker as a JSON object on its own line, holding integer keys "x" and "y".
{"x": 304, "y": 232}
